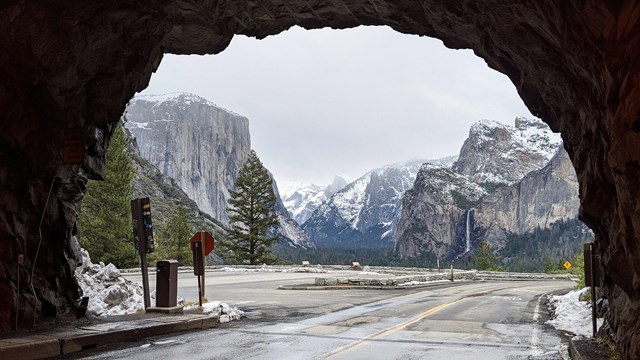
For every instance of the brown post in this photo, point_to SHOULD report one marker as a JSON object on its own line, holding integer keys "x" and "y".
{"x": 140, "y": 236}
{"x": 593, "y": 291}
{"x": 590, "y": 274}
{"x": 204, "y": 261}
{"x": 451, "y": 272}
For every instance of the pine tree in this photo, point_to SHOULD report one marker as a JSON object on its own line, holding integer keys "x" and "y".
{"x": 175, "y": 238}
{"x": 485, "y": 260}
{"x": 104, "y": 221}
{"x": 252, "y": 214}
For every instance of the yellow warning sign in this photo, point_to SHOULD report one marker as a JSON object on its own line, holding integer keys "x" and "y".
{"x": 567, "y": 265}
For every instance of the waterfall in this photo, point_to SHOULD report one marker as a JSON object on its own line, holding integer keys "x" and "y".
{"x": 468, "y": 245}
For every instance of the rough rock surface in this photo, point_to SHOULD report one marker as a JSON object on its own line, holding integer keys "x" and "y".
{"x": 65, "y": 64}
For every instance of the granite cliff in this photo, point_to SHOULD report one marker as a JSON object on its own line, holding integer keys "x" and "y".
{"x": 502, "y": 183}
{"x": 202, "y": 147}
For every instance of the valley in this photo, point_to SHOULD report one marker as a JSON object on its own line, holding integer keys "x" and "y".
{"x": 510, "y": 185}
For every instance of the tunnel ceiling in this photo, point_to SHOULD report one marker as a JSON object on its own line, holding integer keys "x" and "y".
{"x": 75, "y": 64}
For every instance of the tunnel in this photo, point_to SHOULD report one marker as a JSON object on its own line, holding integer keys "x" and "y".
{"x": 69, "y": 68}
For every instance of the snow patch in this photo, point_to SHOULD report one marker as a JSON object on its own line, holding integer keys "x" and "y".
{"x": 224, "y": 312}
{"x": 138, "y": 125}
{"x": 109, "y": 293}
{"x": 265, "y": 268}
{"x": 182, "y": 98}
{"x": 571, "y": 314}
{"x": 413, "y": 283}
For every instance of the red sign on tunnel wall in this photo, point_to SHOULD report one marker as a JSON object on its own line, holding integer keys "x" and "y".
{"x": 73, "y": 148}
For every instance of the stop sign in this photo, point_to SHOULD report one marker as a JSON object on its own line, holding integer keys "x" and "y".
{"x": 204, "y": 237}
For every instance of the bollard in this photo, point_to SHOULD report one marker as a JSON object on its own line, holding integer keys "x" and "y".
{"x": 452, "y": 272}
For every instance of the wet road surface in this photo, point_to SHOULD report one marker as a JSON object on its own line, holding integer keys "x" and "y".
{"x": 471, "y": 320}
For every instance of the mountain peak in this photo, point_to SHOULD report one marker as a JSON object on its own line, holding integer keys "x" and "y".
{"x": 500, "y": 153}
{"x": 178, "y": 98}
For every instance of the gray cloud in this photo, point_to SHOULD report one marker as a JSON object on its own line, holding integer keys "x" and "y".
{"x": 328, "y": 102}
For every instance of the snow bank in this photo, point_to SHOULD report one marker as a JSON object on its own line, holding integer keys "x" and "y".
{"x": 571, "y": 314}
{"x": 413, "y": 283}
{"x": 111, "y": 294}
{"x": 224, "y": 312}
{"x": 108, "y": 292}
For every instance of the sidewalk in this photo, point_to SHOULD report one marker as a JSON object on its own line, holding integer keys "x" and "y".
{"x": 74, "y": 338}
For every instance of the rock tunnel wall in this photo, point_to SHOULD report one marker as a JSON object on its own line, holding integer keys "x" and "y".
{"x": 76, "y": 63}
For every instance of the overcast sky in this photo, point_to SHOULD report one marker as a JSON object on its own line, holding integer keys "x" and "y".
{"x": 327, "y": 102}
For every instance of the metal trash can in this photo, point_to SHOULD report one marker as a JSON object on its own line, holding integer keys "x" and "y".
{"x": 166, "y": 283}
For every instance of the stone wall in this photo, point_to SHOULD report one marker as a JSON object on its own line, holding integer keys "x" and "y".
{"x": 76, "y": 64}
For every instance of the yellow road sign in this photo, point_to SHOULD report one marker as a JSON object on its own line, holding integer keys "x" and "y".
{"x": 567, "y": 265}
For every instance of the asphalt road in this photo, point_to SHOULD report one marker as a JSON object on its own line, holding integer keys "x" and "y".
{"x": 470, "y": 320}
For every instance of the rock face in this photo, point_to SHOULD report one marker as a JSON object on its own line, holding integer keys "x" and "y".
{"x": 366, "y": 212}
{"x": 431, "y": 219}
{"x": 202, "y": 147}
{"x": 574, "y": 63}
{"x": 193, "y": 141}
{"x": 448, "y": 211}
{"x": 166, "y": 196}
{"x": 538, "y": 200}
{"x": 289, "y": 230}
{"x": 501, "y": 154}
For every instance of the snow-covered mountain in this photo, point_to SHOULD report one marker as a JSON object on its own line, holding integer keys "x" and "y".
{"x": 502, "y": 154}
{"x": 365, "y": 212}
{"x": 301, "y": 199}
{"x": 507, "y": 180}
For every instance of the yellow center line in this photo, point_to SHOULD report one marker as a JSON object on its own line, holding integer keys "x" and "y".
{"x": 388, "y": 331}
{"x": 397, "y": 327}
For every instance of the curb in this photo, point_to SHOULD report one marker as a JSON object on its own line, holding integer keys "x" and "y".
{"x": 89, "y": 337}
{"x": 588, "y": 349}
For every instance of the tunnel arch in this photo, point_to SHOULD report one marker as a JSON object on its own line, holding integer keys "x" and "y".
{"x": 574, "y": 63}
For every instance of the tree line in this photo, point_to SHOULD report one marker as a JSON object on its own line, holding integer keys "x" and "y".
{"x": 105, "y": 230}
{"x": 105, "y": 227}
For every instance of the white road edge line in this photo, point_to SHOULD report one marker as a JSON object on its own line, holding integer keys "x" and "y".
{"x": 536, "y": 350}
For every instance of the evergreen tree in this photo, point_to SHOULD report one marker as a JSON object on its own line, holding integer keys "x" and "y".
{"x": 485, "y": 260}
{"x": 252, "y": 214}
{"x": 104, "y": 221}
{"x": 175, "y": 238}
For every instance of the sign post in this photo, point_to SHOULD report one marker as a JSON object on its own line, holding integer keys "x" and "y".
{"x": 592, "y": 278}
{"x": 143, "y": 235}
{"x": 198, "y": 266}
{"x": 202, "y": 243}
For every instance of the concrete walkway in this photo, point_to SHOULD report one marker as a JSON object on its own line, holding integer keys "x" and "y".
{"x": 75, "y": 338}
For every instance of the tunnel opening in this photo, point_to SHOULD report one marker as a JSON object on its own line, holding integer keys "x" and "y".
{"x": 308, "y": 94}
{"x": 574, "y": 64}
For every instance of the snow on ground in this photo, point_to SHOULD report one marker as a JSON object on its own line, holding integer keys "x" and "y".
{"x": 412, "y": 283}
{"x": 111, "y": 294}
{"x": 571, "y": 314}
{"x": 224, "y": 312}
{"x": 108, "y": 292}
{"x": 265, "y": 268}
{"x": 369, "y": 273}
